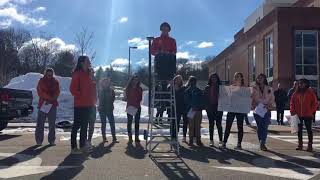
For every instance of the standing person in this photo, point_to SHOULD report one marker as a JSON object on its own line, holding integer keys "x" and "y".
{"x": 194, "y": 101}
{"x": 83, "y": 89}
{"x": 133, "y": 94}
{"x": 292, "y": 90}
{"x": 281, "y": 99}
{"x": 211, "y": 96}
{"x": 48, "y": 91}
{"x": 105, "y": 108}
{"x": 262, "y": 96}
{"x": 164, "y": 49}
{"x": 93, "y": 114}
{"x": 180, "y": 108}
{"x": 304, "y": 103}
{"x": 238, "y": 81}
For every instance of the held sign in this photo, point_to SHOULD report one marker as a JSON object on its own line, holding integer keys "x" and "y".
{"x": 234, "y": 99}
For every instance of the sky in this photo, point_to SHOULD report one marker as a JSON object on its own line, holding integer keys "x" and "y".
{"x": 201, "y": 27}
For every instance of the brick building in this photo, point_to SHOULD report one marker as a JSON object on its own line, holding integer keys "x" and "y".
{"x": 279, "y": 39}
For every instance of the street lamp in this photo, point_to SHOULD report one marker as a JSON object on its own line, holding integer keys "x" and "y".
{"x": 129, "y": 69}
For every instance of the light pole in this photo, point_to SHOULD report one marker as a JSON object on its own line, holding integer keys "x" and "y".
{"x": 129, "y": 68}
{"x": 150, "y": 39}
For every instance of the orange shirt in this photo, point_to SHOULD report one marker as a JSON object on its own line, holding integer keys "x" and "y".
{"x": 164, "y": 44}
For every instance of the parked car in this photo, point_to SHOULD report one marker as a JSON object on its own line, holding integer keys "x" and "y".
{"x": 14, "y": 104}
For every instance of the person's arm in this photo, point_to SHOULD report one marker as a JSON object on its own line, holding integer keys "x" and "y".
{"x": 154, "y": 47}
{"x": 174, "y": 47}
{"x": 292, "y": 105}
{"x": 57, "y": 90}
{"x": 113, "y": 96}
{"x": 314, "y": 102}
{"x": 75, "y": 85}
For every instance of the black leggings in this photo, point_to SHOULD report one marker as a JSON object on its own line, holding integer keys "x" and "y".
{"x": 81, "y": 119}
{"x": 136, "y": 124}
{"x": 215, "y": 117}
{"x": 184, "y": 127}
{"x": 308, "y": 123}
{"x": 280, "y": 114}
{"x": 230, "y": 119}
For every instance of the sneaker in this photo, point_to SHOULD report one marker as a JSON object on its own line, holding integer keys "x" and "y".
{"x": 238, "y": 147}
{"x": 39, "y": 144}
{"x": 115, "y": 140}
{"x": 137, "y": 140}
{"x": 211, "y": 144}
{"x": 76, "y": 151}
{"x": 199, "y": 143}
{"x": 52, "y": 144}
{"x": 184, "y": 140}
{"x": 220, "y": 143}
{"x": 104, "y": 139}
{"x": 310, "y": 149}
{"x": 299, "y": 148}
{"x": 223, "y": 145}
{"x": 263, "y": 147}
{"x": 191, "y": 142}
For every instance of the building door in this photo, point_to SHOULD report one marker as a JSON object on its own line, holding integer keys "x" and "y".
{"x": 307, "y": 57}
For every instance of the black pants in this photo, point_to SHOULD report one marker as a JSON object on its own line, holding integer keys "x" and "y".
{"x": 136, "y": 124}
{"x": 230, "y": 119}
{"x": 81, "y": 119}
{"x": 314, "y": 117}
{"x": 184, "y": 127}
{"x": 308, "y": 123}
{"x": 280, "y": 115}
{"x": 165, "y": 66}
{"x": 246, "y": 119}
{"x": 215, "y": 117}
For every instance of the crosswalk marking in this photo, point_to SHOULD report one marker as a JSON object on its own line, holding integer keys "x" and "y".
{"x": 294, "y": 139}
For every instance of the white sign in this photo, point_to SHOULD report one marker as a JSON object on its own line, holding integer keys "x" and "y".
{"x": 45, "y": 107}
{"x": 191, "y": 114}
{"x": 131, "y": 110}
{"x": 261, "y": 110}
{"x": 234, "y": 99}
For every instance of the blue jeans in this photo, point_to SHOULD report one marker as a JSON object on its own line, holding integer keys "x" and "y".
{"x": 262, "y": 127}
{"x": 103, "y": 117}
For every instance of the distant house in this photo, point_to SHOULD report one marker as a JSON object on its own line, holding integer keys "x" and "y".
{"x": 279, "y": 39}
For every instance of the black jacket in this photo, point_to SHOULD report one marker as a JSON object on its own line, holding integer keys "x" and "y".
{"x": 180, "y": 103}
{"x": 280, "y": 98}
{"x": 207, "y": 104}
{"x": 106, "y": 100}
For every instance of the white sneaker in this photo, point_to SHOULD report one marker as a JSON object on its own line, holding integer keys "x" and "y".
{"x": 184, "y": 139}
{"x": 76, "y": 151}
{"x": 211, "y": 144}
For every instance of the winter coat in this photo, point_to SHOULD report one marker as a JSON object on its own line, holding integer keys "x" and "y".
{"x": 304, "y": 104}
{"x": 134, "y": 97}
{"x": 211, "y": 98}
{"x": 194, "y": 98}
{"x": 83, "y": 88}
{"x": 106, "y": 100}
{"x": 48, "y": 89}
{"x": 280, "y": 98}
{"x": 266, "y": 97}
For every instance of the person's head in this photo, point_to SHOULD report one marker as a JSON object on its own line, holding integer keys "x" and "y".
{"x": 49, "y": 73}
{"x": 134, "y": 82}
{"x": 178, "y": 80}
{"x": 295, "y": 84}
{"x": 105, "y": 82}
{"x": 238, "y": 77}
{"x": 192, "y": 81}
{"x": 83, "y": 63}
{"x": 165, "y": 28}
{"x": 214, "y": 79}
{"x": 262, "y": 80}
{"x": 303, "y": 85}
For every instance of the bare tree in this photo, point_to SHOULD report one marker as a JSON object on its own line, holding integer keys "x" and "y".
{"x": 84, "y": 39}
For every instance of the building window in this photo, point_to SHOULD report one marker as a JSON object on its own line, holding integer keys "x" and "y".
{"x": 252, "y": 63}
{"x": 268, "y": 56}
{"x": 306, "y": 56}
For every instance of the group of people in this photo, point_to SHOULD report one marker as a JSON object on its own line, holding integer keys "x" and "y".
{"x": 189, "y": 97}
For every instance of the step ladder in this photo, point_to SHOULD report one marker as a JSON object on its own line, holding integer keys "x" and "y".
{"x": 154, "y": 138}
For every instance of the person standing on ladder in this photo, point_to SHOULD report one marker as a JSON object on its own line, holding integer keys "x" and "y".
{"x": 164, "y": 49}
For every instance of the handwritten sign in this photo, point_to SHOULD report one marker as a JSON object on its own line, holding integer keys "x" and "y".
{"x": 234, "y": 99}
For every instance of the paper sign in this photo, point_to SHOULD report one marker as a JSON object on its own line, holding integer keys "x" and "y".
{"x": 131, "y": 110}
{"x": 191, "y": 114}
{"x": 261, "y": 110}
{"x": 234, "y": 99}
{"x": 45, "y": 107}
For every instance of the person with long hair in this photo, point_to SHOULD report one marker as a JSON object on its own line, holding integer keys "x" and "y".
{"x": 237, "y": 81}
{"x": 211, "y": 96}
{"x": 106, "y": 99}
{"x": 83, "y": 89}
{"x": 48, "y": 90}
{"x": 179, "y": 89}
{"x": 304, "y": 103}
{"x": 262, "y": 97}
{"x": 133, "y": 94}
{"x": 194, "y": 102}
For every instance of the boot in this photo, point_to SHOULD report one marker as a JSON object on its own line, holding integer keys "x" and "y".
{"x": 199, "y": 143}
{"x": 130, "y": 138}
{"x": 137, "y": 140}
{"x": 310, "y": 149}
{"x": 300, "y": 147}
{"x": 191, "y": 141}
{"x": 263, "y": 147}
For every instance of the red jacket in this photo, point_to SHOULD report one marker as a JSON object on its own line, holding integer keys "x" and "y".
{"x": 304, "y": 104}
{"x": 48, "y": 90}
{"x": 163, "y": 44}
{"x": 134, "y": 97}
{"x": 83, "y": 88}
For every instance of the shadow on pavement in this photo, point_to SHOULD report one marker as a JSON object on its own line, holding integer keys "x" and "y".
{"x": 4, "y": 137}
{"x": 101, "y": 150}
{"x": 32, "y": 152}
{"x": 137, "y": 152}
{"x": 174, "y": 168}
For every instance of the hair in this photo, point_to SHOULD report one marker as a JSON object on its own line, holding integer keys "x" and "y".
{"x": 218, "y": 79}
{"x": 192, "y": 81}
{"x": 242, "y": 78}
{"x": 48, "y": 70}
{"x": 129, "y": 85}
{"x": 81, "y": 60}
{"x": 178, "y": 77}
{"x": 165, "y": 24}
{"x": 305, "y": 81}
{"x": 265, "y": 81}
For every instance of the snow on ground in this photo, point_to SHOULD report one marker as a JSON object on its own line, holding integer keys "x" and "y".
{"x": 65, "y": 109}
